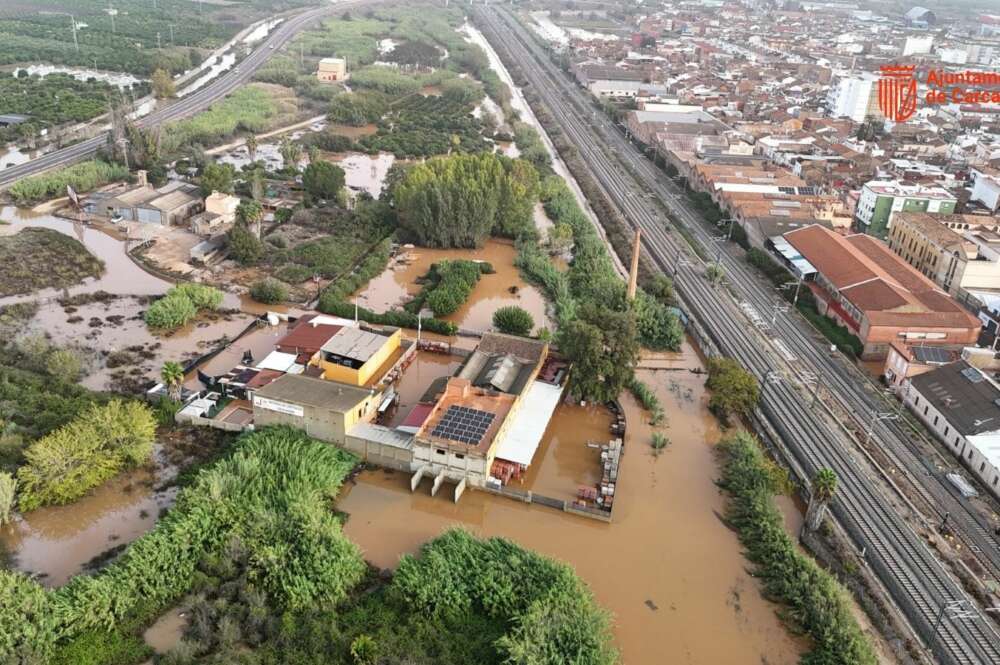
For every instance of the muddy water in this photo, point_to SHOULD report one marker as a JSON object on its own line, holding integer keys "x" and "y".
{"x": 669, "y": 570}
{"x": 57, "y": 542}
{"x": 365, "y": 173}
{"x": 418, "y": 376}
{"x": 168, "y": 630}
{"x": 97, "y": 328}
{"x": 564, "y": 461}
{"x": 121, "y": 274}
{"x": 398, "y": 283}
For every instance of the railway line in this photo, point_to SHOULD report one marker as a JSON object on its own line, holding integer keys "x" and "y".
{"x": 916, "y": 579}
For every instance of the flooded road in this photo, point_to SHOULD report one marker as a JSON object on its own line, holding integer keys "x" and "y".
{"x": 667, "y": 567}
{"x": 121, "y": 274}
{"x": 398, "y": 283}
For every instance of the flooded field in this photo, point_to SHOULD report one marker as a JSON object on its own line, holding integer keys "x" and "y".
{"x": 122, "y": 353}
{"x": 667, "y": 567}
{"x": 58, "y": 542}
{"x": 398, "y": 283}
{"x": 121, "y": 274}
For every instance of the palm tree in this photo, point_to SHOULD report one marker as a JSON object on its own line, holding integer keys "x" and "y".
{"x": 252, "y": 147}
{"x": 291, "y": 152}
{"x": 173, "y": 376}
{"x": 824, "y": 486}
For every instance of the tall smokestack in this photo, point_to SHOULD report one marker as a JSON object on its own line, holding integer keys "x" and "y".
{"x": 633, "y": 273}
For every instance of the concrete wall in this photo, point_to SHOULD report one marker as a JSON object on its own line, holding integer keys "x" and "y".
{"x": 380, "y": 454}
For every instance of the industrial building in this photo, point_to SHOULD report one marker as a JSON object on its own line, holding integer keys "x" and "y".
{"x": 861, "y": 284}
{"x": 960, "y": 404}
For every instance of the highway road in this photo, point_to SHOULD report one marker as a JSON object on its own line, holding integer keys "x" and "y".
{"x": 186, "y": 106}
{"x": 915, "y": 578}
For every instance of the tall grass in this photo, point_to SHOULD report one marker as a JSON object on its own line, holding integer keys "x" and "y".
{"x": 814, "y": 600}
{"x": 273, "y": 493}
{"x": 82, "y": 177}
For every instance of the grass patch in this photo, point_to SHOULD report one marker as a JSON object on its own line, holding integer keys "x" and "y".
{"x": 35, "y": 259}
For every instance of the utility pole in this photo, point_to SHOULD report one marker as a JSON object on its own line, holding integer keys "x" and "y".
{"x": 158, "y": 44}
{"x": 171, "y": 34}
{"x": 878, "y": 416}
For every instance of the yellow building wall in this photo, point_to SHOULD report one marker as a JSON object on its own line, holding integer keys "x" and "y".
{"x": 361, "y": 377}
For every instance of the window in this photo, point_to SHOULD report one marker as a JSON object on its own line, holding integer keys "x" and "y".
{"x": 982, "y": 466}
{"x": 935, "y": 421}
{"x": 925, "y": 410}
{"x": 946, "y": 431}
{"x": 440, "y": 452}
{"x": 916, "y": 402}
{"x": 970, "y": 453}
{"x": 459, "y": 456}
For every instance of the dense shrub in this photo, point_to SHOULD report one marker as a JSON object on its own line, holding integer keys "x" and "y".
{"x": 735, "y": 391}
{"x": 323, "y": 180}
{"x": 358, "y": 108}
{"x": 272, "y": 495}
{"x": 513, "y": 320}
{"x": 269, "y": 291}
{"x": 91, "y": 449}
{"x": 82, "y": 177}
{"x": 451, "y": 282}
{"x": 385, "y": 79}
{"x": 551, "y": 614}
{"x": 814, "y": 599}
{"x": 181, "y": 304}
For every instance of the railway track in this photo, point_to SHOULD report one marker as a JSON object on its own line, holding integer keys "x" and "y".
{"x": 917, "y": 581}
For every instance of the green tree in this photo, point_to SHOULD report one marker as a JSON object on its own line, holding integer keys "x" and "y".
{"x": 252, "y": 145}
{"x": 291, "y": 153}
{"x": 216, "y": 178}
{"x": 458, "y": 200}
{"x": 824, "y": 486}
{"x": 735, "y": 391}
{"x": 513, "y": 320}
{"x": 163, "y": 84}
{"x": 602, "y": 345}
{"x": 8, "y": 489}
{"x": 172, "y": 375}
{"x": 94, "y": 447}
{"x": 245, "y": 248}
{"x": 323, "y": 180}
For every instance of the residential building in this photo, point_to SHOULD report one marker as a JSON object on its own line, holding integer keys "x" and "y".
{"x": 219, "y": 214}
{"x": 906, "y": 361}
{"x": 986, "y": 189}
{"x": 332, "y": 69}
{"x": 862, "y": 285}
{"x": 853, "y": 97}
{"x": 960, "y": 404}
{"x": 918, "y": 45}
{"x": 956, "y": 251}
{"x": 354, "y": 355}
{"x": 881, "y": 198}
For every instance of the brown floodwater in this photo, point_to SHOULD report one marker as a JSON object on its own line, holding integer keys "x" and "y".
{"x": 398, "y": 283}
{"x": 57, "y": 542}
{"x": 667, "y": 567}
{"x": 167, "y": 631}
{"x": 121, "y": 274}
{"x": 102, "y": 328}
{"x": 426, "y": 367}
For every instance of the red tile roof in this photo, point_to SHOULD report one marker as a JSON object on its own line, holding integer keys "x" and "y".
{"x": 870, "y": 276}
{"x": 306, "y": 337}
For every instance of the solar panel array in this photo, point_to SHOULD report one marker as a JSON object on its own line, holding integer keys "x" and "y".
{"x": 931, "y": 354}
{"x": 465, "y": 425}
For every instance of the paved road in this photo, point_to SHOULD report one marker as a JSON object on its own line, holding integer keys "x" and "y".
{"x": 915, "y": 578}
{"x": 186, "y": 106}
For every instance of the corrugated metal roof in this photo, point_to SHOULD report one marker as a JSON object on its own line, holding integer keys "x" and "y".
{"x": 530, "y": 422}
